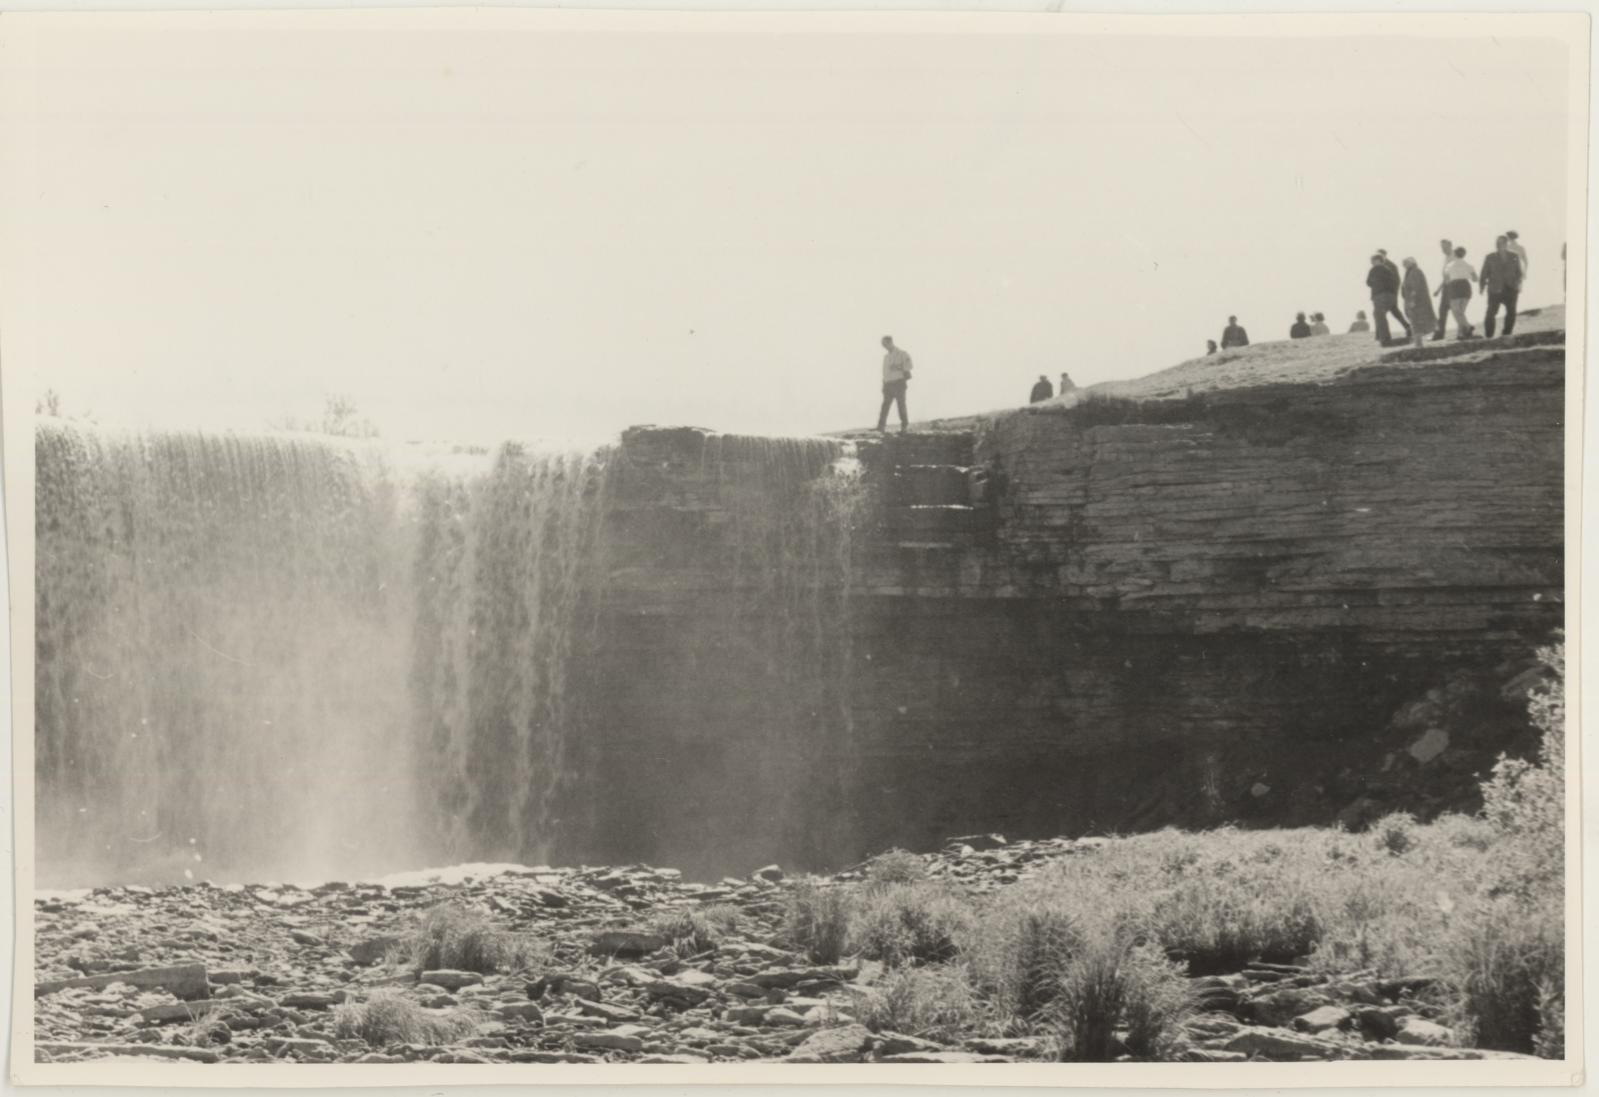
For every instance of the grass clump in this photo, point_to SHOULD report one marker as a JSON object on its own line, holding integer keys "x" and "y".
{"x": 697, "y": 930}
{"x": 895, "y": 867}
{"x": 389, "y": 1017}
{"x": 909, "y": 923}
{"x": 816, "y": 919}
{"x": 934, "y": 1003}
{"x": 457, "y": 938}
{"x": 1119, "y": 996}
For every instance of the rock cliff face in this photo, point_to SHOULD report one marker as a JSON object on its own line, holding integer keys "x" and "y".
{"x": 1226, "y": 604}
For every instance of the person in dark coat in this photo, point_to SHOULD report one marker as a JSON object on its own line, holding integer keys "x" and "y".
{"x": 1234, "y": 335}
{"x": 1418, "y": 301}
{"x": 1383, "y": 281}
{"x": 1501, "y": 279}
{"x": 1301, "y": 329}
{"x": 1042, "y": 390}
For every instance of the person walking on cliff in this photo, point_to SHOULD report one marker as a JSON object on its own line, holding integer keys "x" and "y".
{"x": 1300, "y": 329}
{"x": 1501, "y": 280}
{"x": 1042, "y": 390}
{"x": 896, "y": 375}
{"x": 1360, "y": 323}
{"x": 1233, "y": 335}
{"x": 1518, "y": 251}
{"x": 1442, "y": 292}
{"x": 1383, "y": 281}
{"x": 1418, "y": 301}
{"x": 1458, "y": 277}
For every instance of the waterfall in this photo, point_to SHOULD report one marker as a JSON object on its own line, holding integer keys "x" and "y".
{"x": 220, "y": 625}
{"x": 296, "y": 657}
{"x": 505, "y": 573}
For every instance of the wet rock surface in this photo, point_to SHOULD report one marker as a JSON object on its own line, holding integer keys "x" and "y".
{"x": 265, "y": 973}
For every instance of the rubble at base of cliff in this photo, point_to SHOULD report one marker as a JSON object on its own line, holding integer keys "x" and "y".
{"x": 259, "y": 973}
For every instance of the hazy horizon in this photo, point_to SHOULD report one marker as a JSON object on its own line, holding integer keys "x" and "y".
{"x": 482, "y": 234}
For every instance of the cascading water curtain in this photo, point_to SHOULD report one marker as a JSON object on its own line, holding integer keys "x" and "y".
{"x": 221, "y": 622}
{"x": 794, "y": 505}
{"x": 507, "y": 572}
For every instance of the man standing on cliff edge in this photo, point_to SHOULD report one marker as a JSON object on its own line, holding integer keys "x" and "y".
{"x": 896, "y": 375}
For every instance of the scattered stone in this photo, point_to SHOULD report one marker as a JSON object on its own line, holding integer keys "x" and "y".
{"x": 625, "y": 1038}
{"x": 846, "y": 1044}
{"x": 1322, "y": 1019}
{"x": 187, "y": 981}
{"x": 451, "y": 980}
{"x": 164, "y": 1051}
{"x": 1275, "y": 1044}
{"x": 1416, "y": 1030}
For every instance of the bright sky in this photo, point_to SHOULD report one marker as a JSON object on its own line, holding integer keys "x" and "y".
{"x": 489, "y": 233}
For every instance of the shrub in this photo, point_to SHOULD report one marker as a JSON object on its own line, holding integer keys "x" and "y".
{"x": 817, "y": 920}
{"x": 1113, "y": 982}
{"x": 935, "y": 1003}
{"x": 1506, "y": 963}
{"x": 1017, "y": 949}
{"x": 1525, "y": 801}
{"x": 460, "y": 939}
{"x": 905, "y": 923}
{"x": 695, "y": 931}
{"x": 1218, "y": 923}
{"x": 1396, "y": 832}
{"x": 388, "y": 1017}
{"x": 895, "y": 867}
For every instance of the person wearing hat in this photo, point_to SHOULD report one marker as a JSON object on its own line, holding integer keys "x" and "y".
{"x": 1042, "y": 390}
{"x": 1519, "y": 252}
{"x": 896, "y": 375}
{"x": 1383, "y": 282}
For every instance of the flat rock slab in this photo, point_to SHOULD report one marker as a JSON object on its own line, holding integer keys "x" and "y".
{"x": 846, "y": 1044}
{"x": 186, "y": 981}
{"x": 450, "y": 979}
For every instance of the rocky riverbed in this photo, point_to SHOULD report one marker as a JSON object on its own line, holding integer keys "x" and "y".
{"x": 264, "y": 972}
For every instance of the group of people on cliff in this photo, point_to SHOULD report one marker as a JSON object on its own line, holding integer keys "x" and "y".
{"x": 1390, "y": 286}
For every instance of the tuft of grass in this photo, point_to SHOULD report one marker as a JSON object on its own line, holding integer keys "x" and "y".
{"x": 1396, "y": 832}
{"x": 1018, "y": 948}
{"x": 389, "y": 1017}
{"x": 934, "y": 1003}
{"x": 895, "y": 867}
{"x": 909, "y": 923}
{"x": 816, "y": 919}
{"x": 457, "y": 938}
{"x": 693, "y": 931}
{"x": 1115, "y": 982}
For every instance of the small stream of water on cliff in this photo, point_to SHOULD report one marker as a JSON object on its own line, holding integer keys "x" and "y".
{"x": 285, "y": 657}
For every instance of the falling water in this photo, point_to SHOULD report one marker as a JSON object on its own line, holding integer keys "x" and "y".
{"x": 292, "y": 657}
{"x": 793, "y": 505}
{"x": 506, "y": 573}
{"x": 220, "y": 625}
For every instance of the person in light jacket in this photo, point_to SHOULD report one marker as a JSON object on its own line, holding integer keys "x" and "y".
{"x": 1418, "y": 301}
{"x": 896, "y": 375}
{"x": 1458, "y": 278}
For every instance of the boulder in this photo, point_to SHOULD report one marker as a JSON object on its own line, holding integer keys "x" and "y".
{"x": 1322, "y": 1019}
{"x": 187, "y": 981}
{"x": 451, "y": 979}
{"x": 845, "y": 1044}
{"x": 1417, "y": 1030}
{"x": 1271, "y": 1044}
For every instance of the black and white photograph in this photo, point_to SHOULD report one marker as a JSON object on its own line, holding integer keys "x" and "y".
{"x": 893, "y": 548}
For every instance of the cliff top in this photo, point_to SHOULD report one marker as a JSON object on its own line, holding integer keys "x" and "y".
{"x": 1292, "y": 361}
{"x": 1317, "y": 360}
